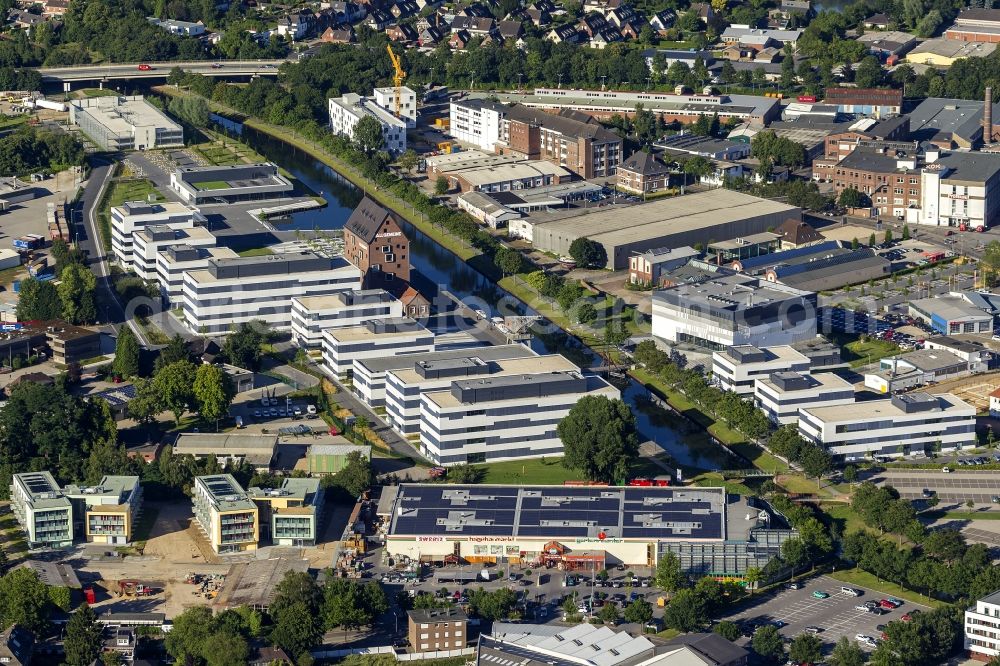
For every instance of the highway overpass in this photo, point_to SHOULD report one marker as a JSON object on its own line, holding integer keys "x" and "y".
{"x": 158, "y": 70}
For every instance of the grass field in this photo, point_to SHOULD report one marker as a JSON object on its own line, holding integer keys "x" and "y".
{"x": 256, "y": 252}
{"x": 845, "y": 517}
{"x": 865, "y": 579}
{"x": 211, "y": 185}
{"x": 97, "y": 92}
{"x": 536, "y": 471}
{"x": 860, "y": 353}
{"x": 760, "y": 458}
{"x": 963, "y": 515}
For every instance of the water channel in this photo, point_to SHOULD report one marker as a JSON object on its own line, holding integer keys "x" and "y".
{"x": 439, "y": 266}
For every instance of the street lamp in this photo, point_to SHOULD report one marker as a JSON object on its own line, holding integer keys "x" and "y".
{"x": 560, "y": 81}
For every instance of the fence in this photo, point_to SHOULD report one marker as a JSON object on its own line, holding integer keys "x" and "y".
{"x": 400, "y": 656}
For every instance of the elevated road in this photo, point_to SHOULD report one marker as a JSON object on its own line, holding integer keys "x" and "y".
{"x": 159, "y": 70}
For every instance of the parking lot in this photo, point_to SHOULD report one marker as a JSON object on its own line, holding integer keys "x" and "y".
{"x": 836, "y": 615}
{"x": 958, "y": 486}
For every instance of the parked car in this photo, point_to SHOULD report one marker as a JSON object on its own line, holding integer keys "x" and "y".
{"x": 861, "y": 607}
{"x": 794, "y": 585}
{"x": 820, "y": 594}
{"x": 814, "y": 630}
{"x": 896, "y": 603}
{"x": 851, "y": 591}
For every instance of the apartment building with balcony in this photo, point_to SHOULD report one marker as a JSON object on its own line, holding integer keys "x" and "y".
{"x": 311, "y": 315}
{"x": 982, "y": 628}
{"x": 289, "y": 515}
{"x": 106, "y": 512}
{"x": 226, "y": 514}
{"x": 42, "y": 510}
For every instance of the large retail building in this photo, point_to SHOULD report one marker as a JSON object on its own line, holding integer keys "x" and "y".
{"x": 580, "y": 527}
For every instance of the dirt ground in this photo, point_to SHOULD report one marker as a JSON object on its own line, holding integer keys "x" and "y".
{"x": 974, "y": 390}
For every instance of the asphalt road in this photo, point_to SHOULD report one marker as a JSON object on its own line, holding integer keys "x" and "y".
{"x": 110, "y": 310}
{"x": 160, "y": 70}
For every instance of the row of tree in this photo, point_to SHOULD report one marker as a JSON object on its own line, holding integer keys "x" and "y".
{"x": 30, "y": 149}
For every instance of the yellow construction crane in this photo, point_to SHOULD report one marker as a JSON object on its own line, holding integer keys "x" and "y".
{"x": 397, "y": 78}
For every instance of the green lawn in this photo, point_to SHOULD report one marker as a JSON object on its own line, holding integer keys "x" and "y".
{"x": 847, "y": 519}
{"x": 963, "y": 515}
{"x": 97, "y": 92}
{"x": 860, "y": 353}
{"x": 256, "y": 252}
{"x": 543, "y": 471}
{"x": 211, "y": 185}
{"x": 865, "y": 579}
{"x": 760, "y": 458}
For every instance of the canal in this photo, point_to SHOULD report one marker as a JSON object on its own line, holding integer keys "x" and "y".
{"x": 439, "y": 267}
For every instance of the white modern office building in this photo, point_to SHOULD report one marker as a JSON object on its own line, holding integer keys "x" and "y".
{"x": 502, "y": 418}
{"x": 225, "y": 513}
{"x": 893, "y": 427}
{"x": 148, "y": 241}
{"x": 476, "y": 122}
{"x": 368, "y": 375}
{"x": 176, "y": 260}
{"x": 42, "y": 510}
{"x": 347, "y": 111}
{"x": 959, "y": 188}
{"x": 125, "y": 123}
{"x": 737, "y": 368}
{"x": 229, "y": 292}
{"x": 134, "y": 215}
{"x": 734, "y": 310}
{"x": 982, "y": 628}
{"x": 404, "y": 387}
{"x": 311, "y": 315}
{"x": 386, "y": 98}
{"x": 781, "y": 394}
{"x": 378, "y": 338}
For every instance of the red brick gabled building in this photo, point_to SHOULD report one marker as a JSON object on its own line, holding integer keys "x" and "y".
{"x": 374, "y": 242}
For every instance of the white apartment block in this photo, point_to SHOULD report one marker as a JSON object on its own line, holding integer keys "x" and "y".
{"x": 982, "y": 629}
{"x": 106, "y": 512}
{"x": 502, "y": 418}
{"x": 148, "y": 241}
{"x": 311, "y": 315}
{"x": 347, "y": 111}
{"x": 475, "y": 122}
{"x": 894, "y": 427}
{"x": 378, "y": 338}
{"x": 386, "y": 98}
{"x": 42, "y": 510}
{"x": 737, "y": 368}
{"x": 225, "y": 513}
{"x": 959, "y": 188}
{"x": 229, "y": 292}
{"x": 176, "y": 260}
{"x": 782, "y": 394}
{"x": 134, "y": 215}
{"x": 404, "y": 387}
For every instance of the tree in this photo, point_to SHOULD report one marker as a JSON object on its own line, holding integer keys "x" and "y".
{"x": 24, "y": 600}
{"x": 852, "y": 198}
{"x": 906, "y": 232}
{"x": 38, "y": 301}
{"x": 409, "y": 160}
{"x": 806, "y": 649}
{"x": 609, "y": 614}
{"x": 888, "y": 235}
{"x": 354, "y": 478}
{"x": 752, "y": 577}
{"x": 146, "y": 405}
{"x": 587, "y": 253}
{"x": 868, "y": 73}
{"x": 187, "y": 641}
{"x": 669, "y": 574}
{"x": 441, "y": 186}
{"x": 728, "y": 630}
{"x": 872, "y": 242}
{"x": 368, "y": 136}
{"x": 296, "y": 629}
{"x": 213, "y": 392}
{"x": 77, "y": 289}
{"x": 176, "y": 350}
{"x": 126, "y": 363}
{"x": 493, "y": 605}
{"x": 768, "y": 644}
{"x": 850, "y": 473}
{"x": 508, "y": 260}
{"x": 586, "y": 313}
{"x": 685, "y": 612}
{"x": 83, "y": 637}
{"x": 847, "y": 653}
{"x": 599, "y": 438}
{"x": 242, "y": 347}
{"x": 175, "y": 385}
{"x": 639, "y": 611}
{"x": 697, "y": 167}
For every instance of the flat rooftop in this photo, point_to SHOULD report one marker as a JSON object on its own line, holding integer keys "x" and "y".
{"x": 949, "y": 308}
{"x": 226, "y": 493}
{"x": 950, "y": 48}
{"x": 559, "y": 512}
{"x": 745, "y": 241}
{"x": 509, "y": 388}
{"x": 931, "y": 360}
{"x": 402, "y": 362}
{"x": 223, "y": 443}
{"x": 732, "y": 293}
{"x": 498, "y": 173}
{"x": 110, "y": 486}
{"x": 303, "y": 490}
{"x": 468, "y": 159}
{"x": 345, "y": 299}
{"x": 45, "y": 492}
{"x": 158, "y": 233}
{"x": 500, "y": 367}
{"x": 165, "y": 208}
{"x": 597, "y": 100}
{"x": 178, "y": 254}
{"x": 867, "y": 410}
{"x": 690, "y": 212}
{"x": 812, "y": 382}
{"x": 396, "y": 327}
{"x": 784, "y": 354}
{"x": 119, "y": 115}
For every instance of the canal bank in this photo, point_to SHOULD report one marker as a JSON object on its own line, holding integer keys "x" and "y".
{"x": 433, "y": 257}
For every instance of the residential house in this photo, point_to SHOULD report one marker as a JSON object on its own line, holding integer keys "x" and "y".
{"x": 642, "y": 172}
{"x": 24, "y": 19}
{"x": 459, "y": 40}
{"x": 338, "y": 35}
{"x": 55, "y": 8}
{"x": 295, "y": 26}
{"x": 631, "y": 28}
{"x": 348, "y": 12}
{"x": 401, "y": 33}
{"x": 435, "y": 21}
{"x": 404, "y": 10}
{"x": 182, "y": 28}
{"x": 475, "y": 26}
{"x": 592, "y": 24}
{"x": 510, "y": 30}
{"x": 475, "y": 10}
{"x": 429, "y": 36}
{"x": 564, "y": 33}
{"x": 608, "y": 35}
{"x": 539, "y": 17}
{"x": 619, "y": 16}
{"x": 376, "y": 244}
{"x": 17, "y": 644}
{"x": 796, "y": 234}
{"x": 379, "y": 20}
{"x": 877, "y": 22}
{"x": 663, "y": 20}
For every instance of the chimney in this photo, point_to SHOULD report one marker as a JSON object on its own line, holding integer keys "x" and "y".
{"x": 988, "y": 116}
